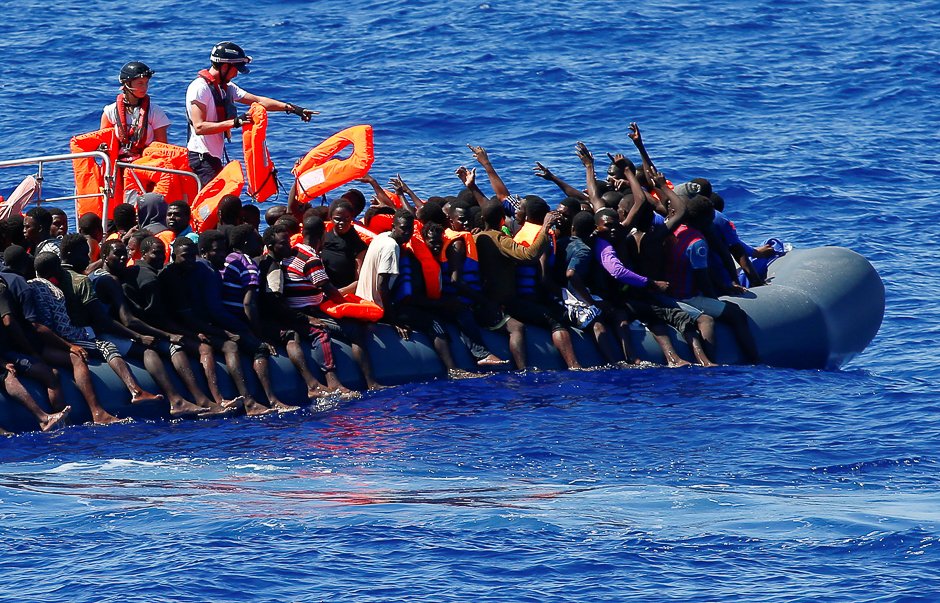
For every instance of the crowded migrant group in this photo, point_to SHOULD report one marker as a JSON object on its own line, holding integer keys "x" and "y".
{"x": 628, "y": 246}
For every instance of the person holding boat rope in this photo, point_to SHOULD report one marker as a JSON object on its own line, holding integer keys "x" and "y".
{"x": 210, "y": 107}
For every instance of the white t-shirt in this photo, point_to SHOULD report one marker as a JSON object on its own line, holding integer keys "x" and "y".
{"x": 381, "y": 258}
{"x": 156, "y": 118}
{"x": 199, "y": 90}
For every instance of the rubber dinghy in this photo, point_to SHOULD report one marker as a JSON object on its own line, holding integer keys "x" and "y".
{"x": 822, "y": 308}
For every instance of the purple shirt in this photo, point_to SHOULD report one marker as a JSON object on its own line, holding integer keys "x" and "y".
{"x": 607, "y": 256}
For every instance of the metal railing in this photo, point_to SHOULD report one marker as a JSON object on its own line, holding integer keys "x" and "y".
{"x": 162, "y": 170}
{"x": 44, "y": 159}
{"x": 109, "y": 171}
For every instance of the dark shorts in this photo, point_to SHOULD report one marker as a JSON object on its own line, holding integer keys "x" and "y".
{"x": 205, "y": 166}
{"x": 421, "y": 321}
{"x": 527, "y": 311}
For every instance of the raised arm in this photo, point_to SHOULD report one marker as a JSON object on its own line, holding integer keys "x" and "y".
{"x": 402, "y": 189}
{"x": 584, "y": 154}
{"x": 275, "y": 105}
{"x": 637, "y": 139}
{"x": 380, "y": 195}
{"x": 499, "y": 188}
{"x": 543, "y": 172}
{"x": 469, "y": 179}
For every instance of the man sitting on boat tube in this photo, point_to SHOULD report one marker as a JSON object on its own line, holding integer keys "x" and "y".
{"x": 210, "y": 106}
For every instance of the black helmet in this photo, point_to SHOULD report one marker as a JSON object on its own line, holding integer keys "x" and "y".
{"x": 135, "y": 69}
{"x": 231, "y": 53}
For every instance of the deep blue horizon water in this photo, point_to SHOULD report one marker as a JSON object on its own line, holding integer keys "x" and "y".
{"x": 816, "y": 122}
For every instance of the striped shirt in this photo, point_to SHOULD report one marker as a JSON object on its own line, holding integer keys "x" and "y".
{"x": 239, "y": 273}
{"x": 304, "y": 277}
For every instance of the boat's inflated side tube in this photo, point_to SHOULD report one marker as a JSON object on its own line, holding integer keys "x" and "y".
{"x": 823, "y": 307}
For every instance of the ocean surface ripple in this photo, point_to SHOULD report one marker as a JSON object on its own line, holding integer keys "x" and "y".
{"x": 816, "y": 121}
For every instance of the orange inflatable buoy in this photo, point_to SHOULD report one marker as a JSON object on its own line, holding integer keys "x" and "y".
{"x": 230, "y": 181}
{"x": 89, "y": 176}
{"x": 259, "y": 169}
{"x": 319, "y": 171}
{"x": 355, "y": 307}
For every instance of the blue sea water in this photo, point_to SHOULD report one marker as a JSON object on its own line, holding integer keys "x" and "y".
{"x": 818, "y": 124}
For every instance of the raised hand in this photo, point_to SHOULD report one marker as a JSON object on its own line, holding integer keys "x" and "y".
{"x": 543, "y": 172}
{"x": 468, "y": 177}
{"x": 584, "y": 154}
{"x": 397, "y": 183}
{"x": 634, "y": 133}
{"x": 479, "y": 153}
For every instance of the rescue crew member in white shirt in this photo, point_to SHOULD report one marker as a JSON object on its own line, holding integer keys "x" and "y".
{"x": 210, "y": 107}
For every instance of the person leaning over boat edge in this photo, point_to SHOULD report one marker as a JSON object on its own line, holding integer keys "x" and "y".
{"x": 136, "y": 121}
{"x": 210, "y": 108}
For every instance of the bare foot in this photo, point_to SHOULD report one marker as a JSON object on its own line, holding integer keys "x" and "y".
{"x": 676, "y": 362}
{"x": 144, "y": 396}
{"x": 281, "y": 407}
{"x": 184, "y": 408}
{"x": 345, "y": 393}
{"x": 374, "y": 387}
{"x": 235, "y": 403}
{"x": 4, "y": 432}
{"x": 214, "y": 411}
{"x": 103, "y": 417}
{"x": 253, "y": 408}
{"x": 492, "y": 361}
{"x": 54, "y": 421}
{"x": 708, "y": 364}
{"x": 315, "y": 393}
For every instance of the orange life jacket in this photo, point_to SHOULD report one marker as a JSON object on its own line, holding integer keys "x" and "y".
{"x": 320, "y": 172}
{"x": 430, "y": 267}
{"x": 381, "y": 223}
{"x": 205, "y": 208}
{"x": 167, "y": 236}
{"x": 452, "y": 235}
{"x": 355, "y": 307}
{"x": 173, "y": 187}
{"x": 259, "y": 169}
{"x": 132, "y": 138}
{"x": 527, "y": 233}
{"x": 89, "y": 176}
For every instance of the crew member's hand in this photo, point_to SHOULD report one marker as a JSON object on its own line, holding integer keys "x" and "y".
{"x": 303, "y": 114}
{"x": 239, "y": 120}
